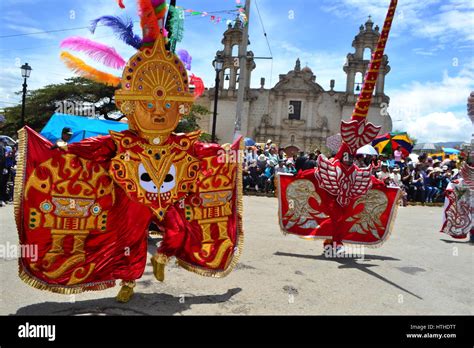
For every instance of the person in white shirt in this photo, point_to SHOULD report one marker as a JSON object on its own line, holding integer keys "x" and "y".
{"x": 395, "y": 177}
{"x": 384, "y": 174}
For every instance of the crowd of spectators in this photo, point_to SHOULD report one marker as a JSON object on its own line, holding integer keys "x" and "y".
{"x": 423, "y": 180}
{"x": 8, "y": 159}
{"x": 262, "y": 163}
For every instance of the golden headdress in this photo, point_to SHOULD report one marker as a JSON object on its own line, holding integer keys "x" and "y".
{"x": 154, "y": 91}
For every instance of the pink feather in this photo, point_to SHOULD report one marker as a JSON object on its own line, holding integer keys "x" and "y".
{"x": 97, "y": 51}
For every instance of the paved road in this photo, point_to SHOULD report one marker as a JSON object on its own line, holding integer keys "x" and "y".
{"x": 417, "y": 271}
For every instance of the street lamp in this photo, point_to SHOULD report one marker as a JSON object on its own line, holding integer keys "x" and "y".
{"x": 25, "y": 73}
{"x": 218, "y": 64}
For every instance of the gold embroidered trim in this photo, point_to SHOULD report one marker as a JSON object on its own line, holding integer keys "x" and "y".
{"x": 240, "y": 232}
{"x": 129, "y": 283}
{"x": 61, "y": 289}
{"x": 20, "y": 179}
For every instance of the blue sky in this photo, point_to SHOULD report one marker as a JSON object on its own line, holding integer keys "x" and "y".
{"x": 430, "y": 48}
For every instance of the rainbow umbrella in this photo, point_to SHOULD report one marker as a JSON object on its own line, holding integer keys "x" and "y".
{"x": 387, "y": 143}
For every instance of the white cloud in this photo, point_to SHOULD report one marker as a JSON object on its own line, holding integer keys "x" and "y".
{"x": 434, "y": 111}
{"x": 441, "y": 126}
{"x": 451, "y": 23}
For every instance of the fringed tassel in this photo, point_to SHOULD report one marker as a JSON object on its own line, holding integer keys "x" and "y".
{"x": 20, "y": 178}
{"x": 238, "y": 191}
{"x": 59, "y": 289}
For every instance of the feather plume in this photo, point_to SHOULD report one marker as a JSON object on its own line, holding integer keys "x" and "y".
{"x": 185, "y": 58}
{"x": 120, "y": 3}
{"x": 122, "y": 28}
{"x": 148, "y": 21}
{"x": 84, "y": 70}
{"x": 198, "y": 86}
{"x": 97, "y": 51}
{"x": 177, "y": 26}
{"x": 160, "y": 7}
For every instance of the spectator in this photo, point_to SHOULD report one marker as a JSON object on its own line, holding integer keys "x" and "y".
{"x": 267, "y": 145}
{"x": 434, "y": 183}
{"x": 291, "y": 168}
{"x": 398, "y": 156}
{"x": 300, "y": 161}
{"x": 281, "y": 155}
{"x": 266, "y": 178}
{"x": 62, "y": 142}
{"x": 281, "y": 168}
{"x": 251, "y": 175}
{"x": 429, "y": 186}
{"x": 251, "y": 154}
{"x": 310, "y": 163}
{"x": 406, "y": 181}
{"x": 273, "y": 153}
{"x": 360, "y": 161}
{"x": 261, "y": 162}
{"x": 417, "y": 184}
{"x": 3, "y": 174}
{"x": 396, "y": 178}
{"x": 384, "y": 174}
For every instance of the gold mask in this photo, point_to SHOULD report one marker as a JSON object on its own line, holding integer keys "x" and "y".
{"x": 154, "y": 92}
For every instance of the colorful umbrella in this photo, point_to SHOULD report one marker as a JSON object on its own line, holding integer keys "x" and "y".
{"x": 387, "y": 143}
{"x": 334, "y": 142}
{"x": 249, "y": 142}
{"x": 367, "y": 150}
{"x": 451, "y": 151}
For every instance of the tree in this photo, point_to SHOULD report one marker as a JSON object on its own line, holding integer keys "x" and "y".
{"x": 84, "y": 96}
{"x": 43, "y": 102}
{"x": 189, "y": 123}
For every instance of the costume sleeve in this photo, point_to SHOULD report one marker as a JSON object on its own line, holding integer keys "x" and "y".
{"x": 99, "y": 149}
{"x": 203, "y": 150}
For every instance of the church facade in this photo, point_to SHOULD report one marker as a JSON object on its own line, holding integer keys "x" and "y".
{"x": 296, "y": 113}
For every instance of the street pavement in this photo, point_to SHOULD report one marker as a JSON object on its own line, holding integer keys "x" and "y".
{"x": 418, "y": 271}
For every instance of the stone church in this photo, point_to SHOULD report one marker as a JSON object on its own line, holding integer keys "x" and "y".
{"x": 296, "y": 113}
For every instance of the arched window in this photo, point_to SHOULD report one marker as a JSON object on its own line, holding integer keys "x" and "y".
{"x": 367, "y": 53}
{"x": 226, "y": 78}
{"x": 359, "y": 79}
{"x": 235, "y": 52}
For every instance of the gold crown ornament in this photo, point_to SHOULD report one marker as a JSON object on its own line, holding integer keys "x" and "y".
{"x": 154, "y": 92}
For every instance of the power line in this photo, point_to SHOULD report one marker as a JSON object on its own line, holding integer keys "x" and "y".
{"x": 263, "y": 28}
{"x": 80, "y": 28}
{"x": 53, "y": 45}
{"x": 268, "y": 42}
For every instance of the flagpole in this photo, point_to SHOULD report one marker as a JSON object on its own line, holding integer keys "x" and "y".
{"x": 243, "y": 76}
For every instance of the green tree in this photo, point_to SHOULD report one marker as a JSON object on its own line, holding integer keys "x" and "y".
{"x": 77, "y": 91}
{"x": 189, "y": 123}
{"x": 43, "y": 102}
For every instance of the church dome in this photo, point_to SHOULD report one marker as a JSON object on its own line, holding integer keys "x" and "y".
{"x": 307, "y": 69}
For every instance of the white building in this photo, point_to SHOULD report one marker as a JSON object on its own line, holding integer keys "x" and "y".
{"x": 297, "y": 112}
